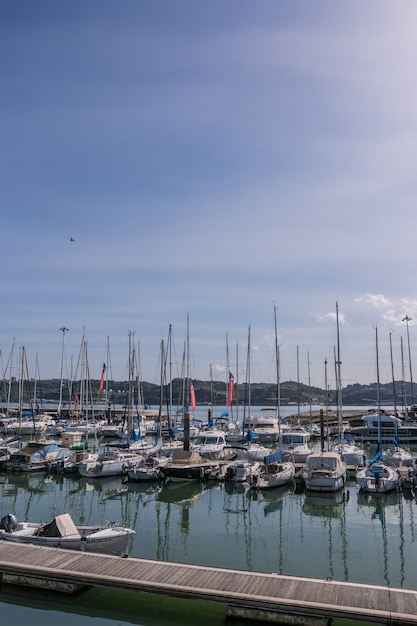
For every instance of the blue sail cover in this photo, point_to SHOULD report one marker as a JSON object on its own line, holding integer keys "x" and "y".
{"x": 252, "y": 436}
{"x": 135, "y": 434}
{"x": 275, "y": 457}
{"x": 377, "y": 454}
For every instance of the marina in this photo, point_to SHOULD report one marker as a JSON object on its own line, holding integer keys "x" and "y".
{"x": 342, "y": 542}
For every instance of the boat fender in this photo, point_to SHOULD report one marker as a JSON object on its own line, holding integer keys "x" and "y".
{"x": 8, "y": 523}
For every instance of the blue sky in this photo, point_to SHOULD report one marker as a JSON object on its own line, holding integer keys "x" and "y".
{"x": 211, "y": 159}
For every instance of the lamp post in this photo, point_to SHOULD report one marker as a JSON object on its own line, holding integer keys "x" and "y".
{"x": 408, "y": 319}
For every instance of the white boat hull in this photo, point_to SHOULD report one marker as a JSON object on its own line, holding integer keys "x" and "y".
{"x": 378, "y": 478}
{"x": 111, "y": 539}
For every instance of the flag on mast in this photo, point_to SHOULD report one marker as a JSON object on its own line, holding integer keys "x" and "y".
{"x": 230, "y": 389}
{"x": 101, "y": 385}
{"x": 192, "y": 395}
{"x": 75, "y": 405}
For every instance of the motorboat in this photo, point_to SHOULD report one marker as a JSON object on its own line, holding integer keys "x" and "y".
{"x": 232, "y": 430}
{"x": 186, "y": 465}
{"x": 112, "y": 428}
{"x": 62, "y": 532}
{"x": 8, "y": 447}
{"x": 35, "y": 456}
{"x": 244, "y": 469}
{"x": 324, "y": 472}
{"x": 211, "y": 444}
{"x": 265, "y": 426}
{"x": 294, "y": 444}
{"x": 109, "y": 462}
{"x": 385, "y": 428}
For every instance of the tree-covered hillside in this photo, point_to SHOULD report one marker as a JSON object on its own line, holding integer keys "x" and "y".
{"x": 261, "y": 394}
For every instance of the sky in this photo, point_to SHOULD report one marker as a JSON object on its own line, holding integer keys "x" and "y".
{"x": 214, "y": 162}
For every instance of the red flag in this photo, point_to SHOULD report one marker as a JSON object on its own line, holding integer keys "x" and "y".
{"x": 230, "y": 389}
{"x": 75, "y": 405}
{"x": 192, "y": 395}
{"x": 101, "y": 385}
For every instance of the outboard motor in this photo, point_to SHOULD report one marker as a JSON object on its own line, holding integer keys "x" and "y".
{"x": 8, "y": 523}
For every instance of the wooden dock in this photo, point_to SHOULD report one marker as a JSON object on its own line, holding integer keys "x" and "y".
{"x": 262, "y": 596}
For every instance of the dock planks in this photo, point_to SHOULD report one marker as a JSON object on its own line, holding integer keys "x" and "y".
{"x": 289, "y": 595}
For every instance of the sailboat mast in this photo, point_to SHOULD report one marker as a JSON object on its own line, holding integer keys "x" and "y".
{"x": 21, "y": 385}
{"x": 249, "y": 375}
{"x": 9, "y": 390}
{"x": 227, "y": 372}
{"x": 278, "y": 382}
{"x": 338, "y": 377}
{"x": 170, "y": 376}
{"x": 392, "y": 374}
{"x": 298, "y": 387}
{"x": 408, "y": 319}
{"x": 309, "y": 388}
{"x": 378, "y": 397}
{"x": 63, "y": 330}
{"x": 186, "y": 419}
{"x": 236, "y": 389}
{"x": 403, "y": 395}
{"x": 35, "y": 383}
{"x": 326, "y": 400}
{"x": 161, "y": 388}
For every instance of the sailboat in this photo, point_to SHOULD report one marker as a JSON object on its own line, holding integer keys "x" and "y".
{"x": 396, "y": 454}
{"x": 114, "y": 461}
{"x": 275, "y": 472}
{"x": 186, "y": 464}
{"x": 148, "y": 466}
{"x": 345, "y": 445}
{"x": 254, "y": 449}
{"x": 377, "y": 477}
{"x": 61, "y": 403}
{"x": 294, "y": 441}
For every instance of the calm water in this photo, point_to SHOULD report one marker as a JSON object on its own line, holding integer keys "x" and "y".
{"x": 347, "y": 536}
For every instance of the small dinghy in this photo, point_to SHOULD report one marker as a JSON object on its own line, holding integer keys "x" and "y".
{"x": 61, "y": 532}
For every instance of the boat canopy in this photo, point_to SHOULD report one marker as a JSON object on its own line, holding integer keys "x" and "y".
{"x": 319, "y": 461}
{"x": 61, "y": 526}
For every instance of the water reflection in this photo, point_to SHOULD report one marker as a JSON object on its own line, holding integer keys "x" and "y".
{"x": 346, "y": 535}
{"x": 388, "y": 514}
{"x": 330, "y": 508}
{"x": 272, "y": 499}
{"x": 326, "y": 505}
{"x": 182, "y": 493}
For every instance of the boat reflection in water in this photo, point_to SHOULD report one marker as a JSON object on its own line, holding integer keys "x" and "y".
{"x": 110, "y": 486}
{"x": 326, "y": 505}
{"x": 387, "y": 519}
{"x": 182, "y": 493}
{"x": 273, "y": 499}
{"x": 330, "y": 510}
